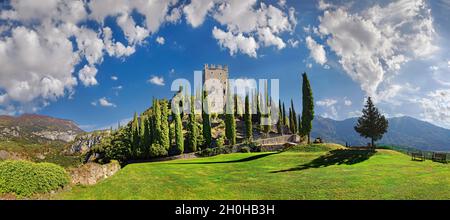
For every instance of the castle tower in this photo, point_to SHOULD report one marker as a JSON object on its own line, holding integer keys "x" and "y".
{"x": 217, "y": 72}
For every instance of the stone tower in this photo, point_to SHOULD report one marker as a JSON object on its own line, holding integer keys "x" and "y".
{"x": 217, "y": 72}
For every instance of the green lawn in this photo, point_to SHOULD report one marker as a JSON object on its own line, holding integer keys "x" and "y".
{"x": 302, "y": 173}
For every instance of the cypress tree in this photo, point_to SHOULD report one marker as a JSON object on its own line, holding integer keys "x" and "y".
{"x": 248, "y": 120}
{"x": 299, "y": 129}
{"x": 291, "y": 122}
{"x": 267, "y": 115}
{"x": 280, "y": 118}
{"x": 308, "y": 107}
{"x": 230, "y": 122}
{"x": 179, "y": 139}
{"x": 285, "y": 122}
{"x": 371, "y": 124}
{"x": 258, "y": 110}
{"x": 157, "y": 123}
{"x": 206, "y": 120}
{"x": 135, "y": 135}
{"x": 165, "y": 124}
{"x": 192, "y": 129}
{"x": 142, "y": 137}
{"x": 294, "y": 119}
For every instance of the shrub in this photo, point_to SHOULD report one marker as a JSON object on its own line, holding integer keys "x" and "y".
{"x": 25, "y": 178}
{"x": 245, "y": 150}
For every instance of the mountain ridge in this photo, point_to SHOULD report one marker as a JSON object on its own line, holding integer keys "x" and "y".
{"x": 404, "y": 131}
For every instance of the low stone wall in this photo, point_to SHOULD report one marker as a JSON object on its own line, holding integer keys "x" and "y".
{"x": 91, "y": 173}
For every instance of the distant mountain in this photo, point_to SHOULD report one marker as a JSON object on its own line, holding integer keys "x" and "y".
{"x": 402, "y": 131}
{"x": 37, "y": 128}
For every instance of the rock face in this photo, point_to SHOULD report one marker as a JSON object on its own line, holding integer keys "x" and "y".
{"x": 84, "y": 142}
{"x": 91, "y": 173}
{"x": 37, "y": 128}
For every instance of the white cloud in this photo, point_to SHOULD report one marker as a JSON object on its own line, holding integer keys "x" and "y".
{"x": 196, "y": 11}
{"x": 245, "y": 22}
{"x": 160, "y": 40}
{"x": 326, "y": 102}
{"x": 436, "y": 107}
{"x": 114, "y": 78}
{"x": 236, "y": 43}
{"x": 43, "y": 42}
{"x": 103, "y": 102}
{"x": 87, "y": 75}
{"x": 347, "y": 102}
{"x": 293, "y": 43}
{"x": 372, "y": 44}
{"x": 317, "y": 52}
{"x": 157, "y": 80}
{"x": 35, "y": 65}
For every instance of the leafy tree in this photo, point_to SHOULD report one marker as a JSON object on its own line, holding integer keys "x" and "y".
{"x": 371, "y": 124}
{"x": 206, "y": 119}
{"x": 308, "y": 107}
{"x": 192, "y": 128}
{"x": 230, "y": 122}
{"x": 248, "y": 120}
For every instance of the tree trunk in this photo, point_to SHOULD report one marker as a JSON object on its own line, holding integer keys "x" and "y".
{"x": 373, "y": 143}
{"x": 309, "y": 138}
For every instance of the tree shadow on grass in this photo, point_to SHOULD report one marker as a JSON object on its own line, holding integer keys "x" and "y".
{"x": 246, "y": 159}
{"x": 334, "y": 157}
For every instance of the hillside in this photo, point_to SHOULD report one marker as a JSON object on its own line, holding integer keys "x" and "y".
{"x": 317, "y": 172}
{"x": 37, "y": 128}
{"x": 402, "y": 131}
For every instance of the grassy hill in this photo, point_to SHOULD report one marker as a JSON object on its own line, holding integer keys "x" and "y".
{"x": 304, "y": 172}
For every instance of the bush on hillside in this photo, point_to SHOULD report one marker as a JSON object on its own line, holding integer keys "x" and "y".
{"x": 245, "y": 150}
{"x": 25, "y": 178}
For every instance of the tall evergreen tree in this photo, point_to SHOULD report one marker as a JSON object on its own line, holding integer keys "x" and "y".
{"x": 267, "y": 114}
{"x": 294, "y": 125}
{"x": 165, "y": 124}
{"x": 291, "y": 121}
{"x": 179, "y": 139}
{"x": 142, "y": 137}
{"x": 230, "y": 122}
{"x": 280, "y": 118}
{"x": 192, "y": 128}
{"x": 206, "y": 120}
{"x": 371, "y": 124}
{"x": 285, "y": 119}
{"x": 258, "y": 109}
{"x": 308, "y": 107}
{"x": 299, "y": 129}
{"x": 157, "y": 122}
{"x": 135, "y": 135}
{"x": 248, "y": 120}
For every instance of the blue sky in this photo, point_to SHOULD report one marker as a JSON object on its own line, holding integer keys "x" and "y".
{"x": 350, "y": 49}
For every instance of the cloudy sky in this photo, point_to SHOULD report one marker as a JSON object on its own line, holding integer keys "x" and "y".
{"x": 97, "y": 62}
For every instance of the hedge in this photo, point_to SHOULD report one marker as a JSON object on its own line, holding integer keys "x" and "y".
{"x": 25, "y": 178}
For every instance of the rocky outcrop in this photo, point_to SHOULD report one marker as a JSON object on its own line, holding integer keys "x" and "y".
{"x": 84, "y": 142}
{"x": 91, "y": 173}
{"x": 66, "y": 136}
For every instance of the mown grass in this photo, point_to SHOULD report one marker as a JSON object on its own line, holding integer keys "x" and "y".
{"x": 306, "y": 172}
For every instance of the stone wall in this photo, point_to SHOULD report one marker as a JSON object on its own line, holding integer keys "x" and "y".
{"x": 91, "y": 173}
